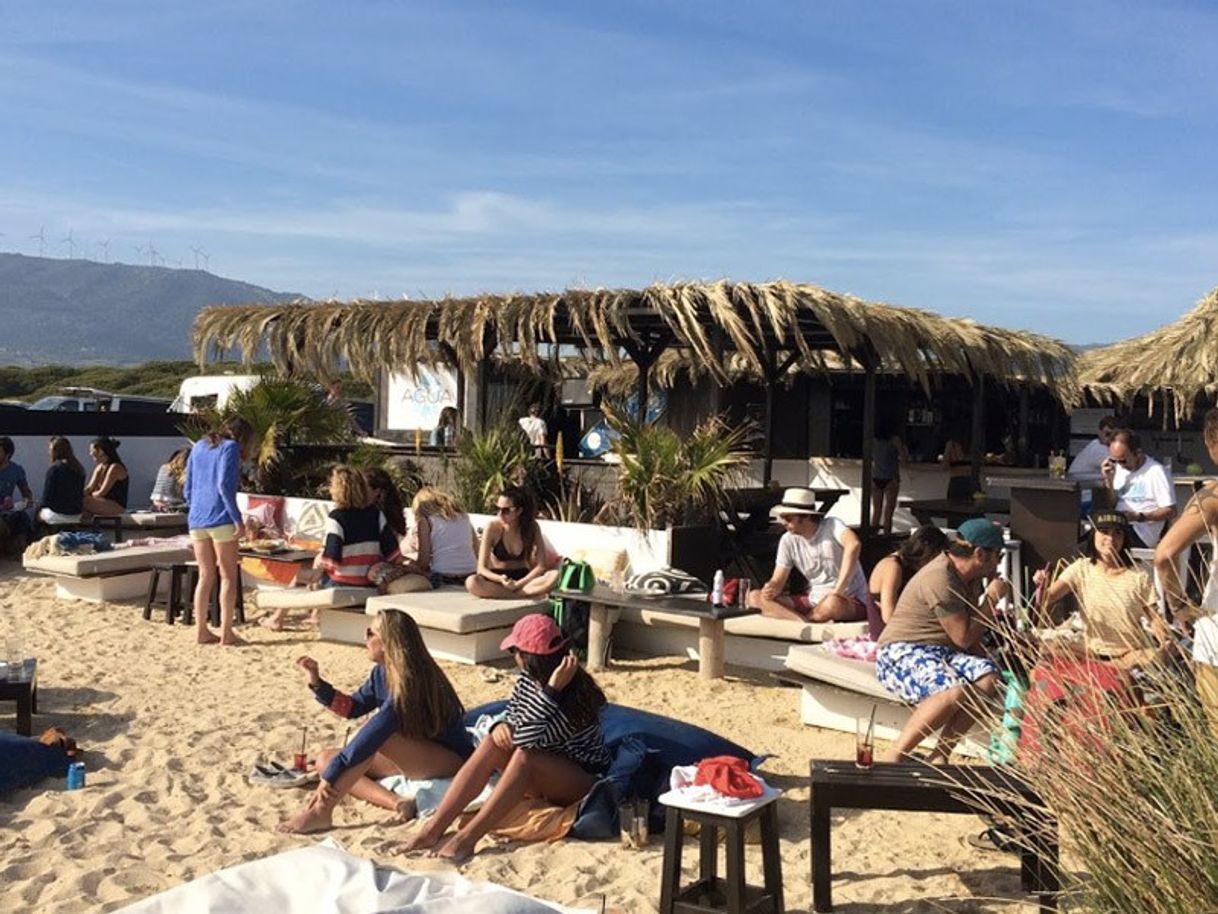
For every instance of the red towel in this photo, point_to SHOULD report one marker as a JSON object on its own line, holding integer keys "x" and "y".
{"x": 729, "y": 775}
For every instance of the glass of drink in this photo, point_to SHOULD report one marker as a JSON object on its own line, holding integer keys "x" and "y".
{"x": 632, "y": 816}
{"x": 743, "y": 586}
{"x": 617, "y": 581}
{"x": 864, "y": 743}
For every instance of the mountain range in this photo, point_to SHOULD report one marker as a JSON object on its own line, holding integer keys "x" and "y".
{"x": 80, "y": 312}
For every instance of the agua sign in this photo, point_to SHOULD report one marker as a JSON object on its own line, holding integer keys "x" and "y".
{"x": 415, "y": 400}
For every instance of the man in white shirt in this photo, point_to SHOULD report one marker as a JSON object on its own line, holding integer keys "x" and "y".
{"x": 535, "y": 430}
{"x": 1089, "y": 460}
{"x": 1143, "y": 491}
{"x": 826, "y": 552}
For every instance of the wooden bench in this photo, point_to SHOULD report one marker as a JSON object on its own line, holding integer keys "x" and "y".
{"x": 917, "y": 787}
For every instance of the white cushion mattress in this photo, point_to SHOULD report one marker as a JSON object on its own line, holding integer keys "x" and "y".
{"x": 454, "y": 609}
{"x": 118, "y": 561}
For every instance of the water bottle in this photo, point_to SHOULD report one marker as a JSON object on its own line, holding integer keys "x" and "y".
{"x": 717, "y": 588}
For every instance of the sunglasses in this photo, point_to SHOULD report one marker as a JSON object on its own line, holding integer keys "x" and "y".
{"x": 371, "y": 633}
{"x": 502, "y": 511}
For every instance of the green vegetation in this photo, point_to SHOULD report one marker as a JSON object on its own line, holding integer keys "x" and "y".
{"x": 152, "y": 379}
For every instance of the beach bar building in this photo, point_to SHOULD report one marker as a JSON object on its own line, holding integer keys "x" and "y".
{"x": 761, "y": 334}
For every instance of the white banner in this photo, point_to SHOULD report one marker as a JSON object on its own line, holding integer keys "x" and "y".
{"x": 415, "y": 401}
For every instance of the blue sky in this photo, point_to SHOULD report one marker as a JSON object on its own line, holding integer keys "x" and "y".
{"x": 1042, "y": 165}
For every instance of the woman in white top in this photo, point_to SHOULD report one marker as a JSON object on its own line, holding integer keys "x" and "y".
{"x": 447, "y": 542}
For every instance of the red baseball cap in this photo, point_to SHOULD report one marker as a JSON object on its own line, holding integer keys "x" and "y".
{"x": 536, "y": 633}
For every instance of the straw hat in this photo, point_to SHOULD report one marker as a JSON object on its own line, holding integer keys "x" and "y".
{"x": 797, "y": 501}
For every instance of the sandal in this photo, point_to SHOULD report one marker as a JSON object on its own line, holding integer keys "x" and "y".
{"x": 995, "y": 838}
{"x": 272, "y": 774}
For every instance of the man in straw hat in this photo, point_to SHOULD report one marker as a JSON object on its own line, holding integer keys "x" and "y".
{"x": 826, "y": 552}
{"x": 929, "y": 653}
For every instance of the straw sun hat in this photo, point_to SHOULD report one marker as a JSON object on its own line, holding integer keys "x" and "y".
{"x": 797, "y": 501}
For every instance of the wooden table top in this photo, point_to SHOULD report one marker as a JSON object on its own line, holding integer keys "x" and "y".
{"x": 692, "y": 605}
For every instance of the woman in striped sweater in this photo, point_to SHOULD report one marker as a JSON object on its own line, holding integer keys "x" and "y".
{"x": 549, "y": 743}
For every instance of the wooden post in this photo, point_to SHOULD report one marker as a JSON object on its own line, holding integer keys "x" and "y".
{"x": 710, "y": 648}
{"x": 978, "y": 448}
{"x": 868, "y": 446}
{"x": 598, "y": 636}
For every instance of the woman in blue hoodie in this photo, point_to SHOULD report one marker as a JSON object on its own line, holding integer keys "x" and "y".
{"x": 213, "y": 473}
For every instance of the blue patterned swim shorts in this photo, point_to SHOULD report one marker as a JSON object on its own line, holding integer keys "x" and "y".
{"x": 914, "y": 672}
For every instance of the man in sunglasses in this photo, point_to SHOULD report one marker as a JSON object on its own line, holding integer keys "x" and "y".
{"x": 1140, "y": 487}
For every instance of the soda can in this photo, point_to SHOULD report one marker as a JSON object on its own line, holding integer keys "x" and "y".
{"x": 76, "y": 775}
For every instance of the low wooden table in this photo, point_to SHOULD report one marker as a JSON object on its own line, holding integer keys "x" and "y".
{"x": 710, "y": 622}
{"x": 287, "y": 555}
{"x": 915, "y": 786}
{"x": 21, "y": 686}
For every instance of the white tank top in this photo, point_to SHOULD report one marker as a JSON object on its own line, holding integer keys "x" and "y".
{"x": 452, "y": 545}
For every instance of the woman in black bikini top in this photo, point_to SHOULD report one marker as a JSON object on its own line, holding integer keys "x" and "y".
{"x": 502, "y": 574}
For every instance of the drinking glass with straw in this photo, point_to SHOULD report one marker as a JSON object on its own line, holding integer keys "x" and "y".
{"x": 864, "y": 745}
{"x": 301, "y": 760}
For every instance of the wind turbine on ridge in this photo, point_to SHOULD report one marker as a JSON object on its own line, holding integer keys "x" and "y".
{"x": 42, "y": 240}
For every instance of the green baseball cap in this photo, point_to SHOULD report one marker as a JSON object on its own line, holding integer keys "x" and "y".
{"x": 980, "y": 532}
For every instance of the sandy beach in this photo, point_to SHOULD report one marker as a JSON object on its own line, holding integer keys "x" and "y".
{"x": 171, "y": 729}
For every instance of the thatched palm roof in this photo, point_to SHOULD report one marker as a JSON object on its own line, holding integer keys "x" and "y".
{"x": 759, "y": 322}
{"x": 1179, "y": 360}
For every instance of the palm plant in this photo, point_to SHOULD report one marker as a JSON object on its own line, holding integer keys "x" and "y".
{"x": 488, "y": 461}
{"x": 281, "y": 412}
{"x": 665, "y": 479}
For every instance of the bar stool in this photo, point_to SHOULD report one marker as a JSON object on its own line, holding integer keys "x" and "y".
{"x": 731, "y": 894}
{"x": 173, "y": 600}
{"x": 213, "y": 602}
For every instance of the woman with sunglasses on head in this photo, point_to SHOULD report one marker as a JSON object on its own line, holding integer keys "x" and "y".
{"x": 548, "y": 743}
{"x": 416, "y": 729}
{"x": 512, "y": 556}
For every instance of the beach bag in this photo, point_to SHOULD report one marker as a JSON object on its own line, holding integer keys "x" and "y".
{"x": 576, "y": 576}
{"x": 572, "y": 618}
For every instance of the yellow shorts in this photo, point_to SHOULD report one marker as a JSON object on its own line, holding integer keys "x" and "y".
{"x": 225, "y": 533}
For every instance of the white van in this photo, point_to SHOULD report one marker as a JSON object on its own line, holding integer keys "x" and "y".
{"x": 211, "y": 390}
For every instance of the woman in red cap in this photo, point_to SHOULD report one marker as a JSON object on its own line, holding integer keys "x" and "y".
{"x": 548, "y": 744}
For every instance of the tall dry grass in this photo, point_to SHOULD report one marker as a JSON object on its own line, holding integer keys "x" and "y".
{"x": 1133, "y": 781}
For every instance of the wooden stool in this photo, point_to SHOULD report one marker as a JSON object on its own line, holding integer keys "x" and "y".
{"x": 213, "y": 602}
{"x": 710, "y": 893}
{"x": 173, "y": 599}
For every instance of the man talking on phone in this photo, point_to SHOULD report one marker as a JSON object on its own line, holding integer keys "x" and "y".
{"x": 1142, "y": 490}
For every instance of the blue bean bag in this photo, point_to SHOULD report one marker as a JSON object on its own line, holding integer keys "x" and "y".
{"x": 644, "y": 748}
{"x": 25, "y": 761}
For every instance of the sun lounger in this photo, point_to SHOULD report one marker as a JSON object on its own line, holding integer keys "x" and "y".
{"x": 751, "y": 641}
{"x": 120, "y": 574}
{"x": 455, "y": 624}
{"x": 835, "y": 692}
{"x": 322, "y": 598}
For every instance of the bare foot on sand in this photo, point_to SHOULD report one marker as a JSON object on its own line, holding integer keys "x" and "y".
{"x": 207, "y": 637}
{"x": 270, "y": 622}
{"x": 233, "y": 641}
{"x": 421, "y": 840}
{"x": 313, "y": 817}
{"x": 457, "y": 849}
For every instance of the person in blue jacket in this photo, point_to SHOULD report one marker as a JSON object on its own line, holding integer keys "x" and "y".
{"x": 213, "y": 474}
{"x": 416, "y": 728}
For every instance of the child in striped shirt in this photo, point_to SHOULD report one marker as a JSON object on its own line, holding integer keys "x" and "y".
{"x": 549, "y": 743}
